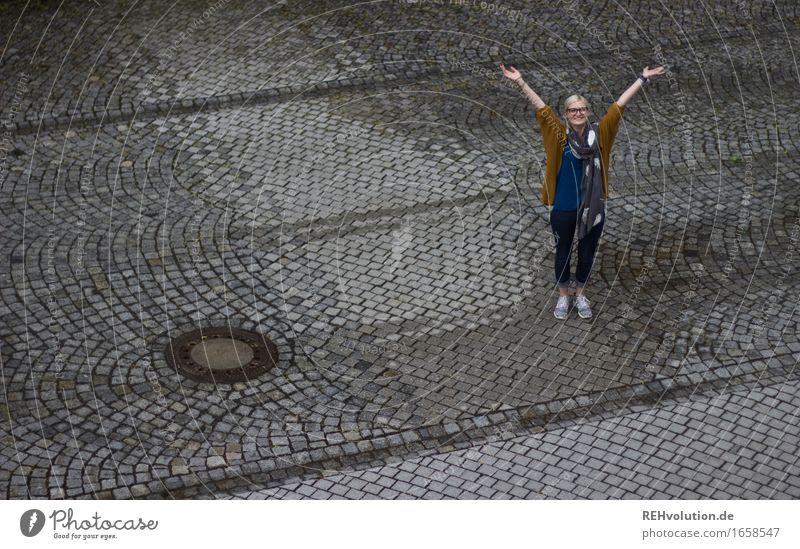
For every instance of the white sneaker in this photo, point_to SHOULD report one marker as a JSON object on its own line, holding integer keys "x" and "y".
{"x": 562, "y": 307}
{"x": 583, "y": 306}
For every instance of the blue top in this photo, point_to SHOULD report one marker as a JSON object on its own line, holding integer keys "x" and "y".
{"x": 568, "y": 184}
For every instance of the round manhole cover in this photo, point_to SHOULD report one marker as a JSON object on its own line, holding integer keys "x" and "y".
{"x": 221, "y": 355}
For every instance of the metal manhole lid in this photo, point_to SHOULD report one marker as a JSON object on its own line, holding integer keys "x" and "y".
{"x": 221, "y": 355}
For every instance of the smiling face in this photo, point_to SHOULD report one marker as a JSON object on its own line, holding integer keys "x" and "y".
{"x": 576, "y": 108}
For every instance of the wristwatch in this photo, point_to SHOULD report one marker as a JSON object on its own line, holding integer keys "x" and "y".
{"x": 644, "y": 79}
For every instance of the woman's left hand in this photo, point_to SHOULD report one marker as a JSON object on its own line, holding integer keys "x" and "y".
{"x": 647, "y": 72}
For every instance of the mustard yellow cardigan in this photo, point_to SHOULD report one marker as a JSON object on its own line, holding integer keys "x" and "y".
{"x": 554, "y": 135}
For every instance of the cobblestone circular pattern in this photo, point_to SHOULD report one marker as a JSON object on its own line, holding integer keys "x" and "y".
{"x": 221, "y": 355}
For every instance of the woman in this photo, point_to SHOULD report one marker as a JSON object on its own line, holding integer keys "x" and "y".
{"x": 576, "y": 180}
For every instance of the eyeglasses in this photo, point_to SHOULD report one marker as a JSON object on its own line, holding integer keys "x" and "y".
{"x": 578, "y": 110}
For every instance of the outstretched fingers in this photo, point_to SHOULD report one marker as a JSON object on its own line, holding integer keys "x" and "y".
{"x": 510, "y": 72}
{"x": 657, "y": 71}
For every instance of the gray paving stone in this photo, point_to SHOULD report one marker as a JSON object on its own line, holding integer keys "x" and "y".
{"x": 145, "y": 226}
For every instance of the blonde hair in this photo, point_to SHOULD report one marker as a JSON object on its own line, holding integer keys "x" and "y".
{"x": 572, "y": 98}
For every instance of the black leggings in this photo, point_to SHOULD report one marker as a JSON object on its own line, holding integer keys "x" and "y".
{"x": 564, "y": 225}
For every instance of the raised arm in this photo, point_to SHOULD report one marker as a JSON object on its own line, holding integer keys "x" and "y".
{"x": 513, "y": 74}
{"x": 647, "y": 74}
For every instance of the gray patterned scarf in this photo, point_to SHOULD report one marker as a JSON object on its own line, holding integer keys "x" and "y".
{"x": 592, "y": 210}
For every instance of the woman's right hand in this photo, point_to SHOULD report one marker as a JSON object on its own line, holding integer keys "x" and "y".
{"x": 513, "y": 74}
{"x": 510, "y": 73}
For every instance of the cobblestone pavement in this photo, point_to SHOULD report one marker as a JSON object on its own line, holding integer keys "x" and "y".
{"x": 358, "y": 182}
{"x": 738, "y": 444}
